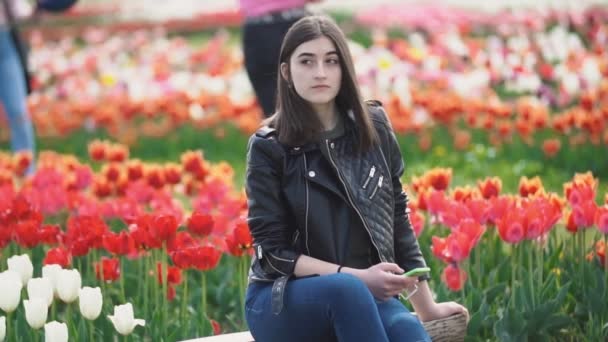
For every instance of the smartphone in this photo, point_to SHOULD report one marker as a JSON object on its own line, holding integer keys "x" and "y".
{"x": 417, "y": 272}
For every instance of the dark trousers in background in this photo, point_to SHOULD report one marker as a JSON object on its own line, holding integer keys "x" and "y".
{"x": 261, "y": 47}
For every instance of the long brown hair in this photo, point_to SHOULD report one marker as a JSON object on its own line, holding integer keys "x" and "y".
{"x": 294, "y": 119}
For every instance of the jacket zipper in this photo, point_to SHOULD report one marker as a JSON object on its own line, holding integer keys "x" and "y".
{"x": 372, "y": 171}
{"x": 276, "y": 269}
{"x": 307, "y": 202}
{"x": 377, "y": 187}
{"x": 352, "y": 202}
{"x": 279, "y": 258}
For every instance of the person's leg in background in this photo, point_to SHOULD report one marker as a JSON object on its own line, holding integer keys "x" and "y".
{"x": 261, "y": 48}
{"x": 400, "y": 324}
{"x": 13, "y": 95}
{"x": 337, "y": 307}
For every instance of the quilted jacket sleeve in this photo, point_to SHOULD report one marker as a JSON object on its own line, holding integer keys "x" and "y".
{"x": 267, "y": 217}
{"x": 407, "y": 251}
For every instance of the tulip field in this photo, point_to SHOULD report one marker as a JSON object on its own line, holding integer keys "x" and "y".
{"x": 133, "y": 225}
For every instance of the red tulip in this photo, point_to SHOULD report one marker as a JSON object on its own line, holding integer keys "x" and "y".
{"x": 49, "y": 234}
{"x": 490, "y": 187}
{"x": 454, "y": 277}
{"x": 119, "y": 244}
{"x": 181, "y": 241}
{"x": 601, "y": 219}
{"x": 59, "y": 256}
{"x": 174, "y": 274}
{"x": 206, "y": 258}
{"x": 25, "y": 232}
{"x": 164, "y": 227}
{"x": 200, "y": 224}
{"x": 511, "y": 227}
{"x": 108, "y": 269}
{"x": 439, "y": 247}
{"x": 217, "y": 329}
{"x": 583, "y": 214}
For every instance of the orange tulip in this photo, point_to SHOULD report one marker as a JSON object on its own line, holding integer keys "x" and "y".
{"x": 465, "y": 193}
{"x": 118, "y": 153}
{"x": 551, "y": 147}
{"x": 528, "y": 187}
{"x": 112, "y": 172}
{"x": 135, "y": 170}
{"x": 173, "y": 173}
{"x": 101, "y": 188}
{"x": 462, "y": 139}
{"x": 154, "y": 176}
{"x": 490, "y": 187}
{"x": 98, "y": 150}
{"x": 439, "y": 178}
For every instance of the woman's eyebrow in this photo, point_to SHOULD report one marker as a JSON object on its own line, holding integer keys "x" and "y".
{"x": 308, "y": 54}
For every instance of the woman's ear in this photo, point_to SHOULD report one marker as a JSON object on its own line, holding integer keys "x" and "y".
{"x": 285, "y": 72}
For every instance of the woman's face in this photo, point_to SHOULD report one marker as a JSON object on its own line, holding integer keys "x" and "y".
{"x": 315, "y": 71}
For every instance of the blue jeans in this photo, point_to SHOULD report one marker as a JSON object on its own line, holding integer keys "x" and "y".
{"x": 337, "y": 307}
{"x": 13, "y": 95}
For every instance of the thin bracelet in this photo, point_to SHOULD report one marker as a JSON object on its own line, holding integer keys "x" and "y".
{"x": 339, "y": 269}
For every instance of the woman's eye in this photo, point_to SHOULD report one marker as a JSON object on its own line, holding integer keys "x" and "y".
{"x": 306, "y": 61}
{"x": 332, "y": 61}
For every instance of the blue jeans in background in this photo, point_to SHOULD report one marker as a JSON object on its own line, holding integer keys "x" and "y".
{"x": 13, "y": 95}
{"x": 337, "y": 307}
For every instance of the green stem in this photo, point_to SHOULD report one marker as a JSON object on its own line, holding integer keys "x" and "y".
{"x": 242, "y": 268}
{"x": 513, "y": 271}
{"x": 68, "y": 319}
{"x": 145, "y": 276}
{"x": 54, "y": 310}
{"x": 204, "y": 292}
{"x": 91, "y": 331}
{"x": 164, "y": 272}
{"x": 122, "y": 281}
{"x": 531, "y": 269}
{"x": 155, "y": 288}
{"x": 184, "y": 296}
{"x": 9, "y": 326}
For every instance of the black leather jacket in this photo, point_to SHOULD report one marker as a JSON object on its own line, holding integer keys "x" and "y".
{"x": 290, "y": 212}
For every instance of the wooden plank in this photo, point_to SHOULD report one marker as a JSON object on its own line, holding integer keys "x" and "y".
{"x": 244, "y": 336}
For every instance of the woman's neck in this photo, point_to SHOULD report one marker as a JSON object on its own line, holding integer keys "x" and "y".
{"x": 328, "y": 115}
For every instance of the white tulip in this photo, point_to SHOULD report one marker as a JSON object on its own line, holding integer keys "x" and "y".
{"x": 55, "y": 332}
{"x": 90, "y": 301}
{"x": 22, "y": 265}
{"x": 123, "y": 319}
{"x": 40, "y": 288}
{"x": 36, "y": 312}
{"x": 10, "y": 290}
{"x": 52, "y": 272}
{"x": 69, "y": 283}
{"x": 2, "y": 328}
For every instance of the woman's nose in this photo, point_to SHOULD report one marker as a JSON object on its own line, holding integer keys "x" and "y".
{"x": 320, "y": 71}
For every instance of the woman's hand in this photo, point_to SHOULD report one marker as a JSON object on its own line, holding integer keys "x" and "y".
{"x": 442, "y": 310}
{"x": 386, "y": 280}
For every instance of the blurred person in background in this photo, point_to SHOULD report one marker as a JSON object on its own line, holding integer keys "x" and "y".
{"x": 265, "y": 25}
{"x": 14, "y": 83}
